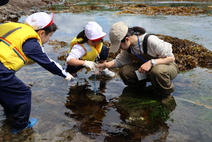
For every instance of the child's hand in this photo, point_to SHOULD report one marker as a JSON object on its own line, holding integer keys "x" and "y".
{"x": 90, "y": 64}
{"x": 69, "y": 77}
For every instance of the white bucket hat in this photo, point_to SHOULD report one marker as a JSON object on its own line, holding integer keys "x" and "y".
{"x": 94, "y": 32}
{"x": 39, "y": 20}
{"x": 117, "y": 32}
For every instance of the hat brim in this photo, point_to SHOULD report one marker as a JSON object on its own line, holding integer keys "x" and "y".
{"x": 103, "y": 34}
{"x": 114, "y": 47}
{"x": 52, "y": 20}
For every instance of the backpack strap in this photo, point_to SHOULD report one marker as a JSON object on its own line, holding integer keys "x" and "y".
{"x": 145, "y": 43}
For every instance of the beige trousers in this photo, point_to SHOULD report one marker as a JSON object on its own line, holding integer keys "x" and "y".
{"x": 160, "y": 76}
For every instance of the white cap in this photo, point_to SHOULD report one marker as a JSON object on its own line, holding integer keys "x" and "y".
{"x": 39, "y": 20}
{"x": 93, "y": 31}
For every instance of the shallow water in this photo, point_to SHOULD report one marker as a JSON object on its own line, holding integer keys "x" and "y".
{"x": 68, "y": 115}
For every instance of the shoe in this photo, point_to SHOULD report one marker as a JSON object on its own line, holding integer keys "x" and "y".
{"x": 32, "y": 122}
{"x": 73, "y": 82}
{"x": 107, "y": 72}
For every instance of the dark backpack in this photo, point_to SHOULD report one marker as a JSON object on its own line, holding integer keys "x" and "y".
{"x": 144, "y": 44}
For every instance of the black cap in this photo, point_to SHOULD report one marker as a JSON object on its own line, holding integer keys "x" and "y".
{"x": 3, "y": 2}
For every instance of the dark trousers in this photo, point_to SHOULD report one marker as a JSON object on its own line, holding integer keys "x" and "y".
{"x": 15, "y": 98}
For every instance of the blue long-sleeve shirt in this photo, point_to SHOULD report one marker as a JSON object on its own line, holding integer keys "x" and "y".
{"x": 34, "y": 51}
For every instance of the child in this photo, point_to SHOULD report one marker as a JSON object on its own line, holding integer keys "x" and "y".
{"x": 20, "y": 43}
{"x": 85, "y": 49}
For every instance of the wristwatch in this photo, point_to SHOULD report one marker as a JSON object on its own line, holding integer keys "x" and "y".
{"x": 153, "y": 62}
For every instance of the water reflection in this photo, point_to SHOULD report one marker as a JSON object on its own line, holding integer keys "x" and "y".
{"x": 139, "y": 114}
{"x": 88, "y": 109}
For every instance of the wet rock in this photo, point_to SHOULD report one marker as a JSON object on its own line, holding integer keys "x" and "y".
{"x": 188, "y": 54}
{"x": 25, "y": 6}
{"x": 163, "y": 10}
{"x": 13, "y": 10}
{"x": 13, "y": 18}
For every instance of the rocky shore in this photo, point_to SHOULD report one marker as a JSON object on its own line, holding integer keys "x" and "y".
{"x": 13, "y": 10}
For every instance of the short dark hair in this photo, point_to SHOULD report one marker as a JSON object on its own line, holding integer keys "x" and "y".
{"x": 134, "y": 31}
{"x": 52, "y": 28}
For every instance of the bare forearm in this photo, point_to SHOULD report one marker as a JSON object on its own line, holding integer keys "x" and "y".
{"x": 75, "y": 62}
{"x": 147, "y": 66}
{"x": 164, "y": 60}
{"x": 107, "y": 65}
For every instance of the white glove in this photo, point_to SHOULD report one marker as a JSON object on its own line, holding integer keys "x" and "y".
{"x": 91, "y": 65}
{"x": 69, "y": 77}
